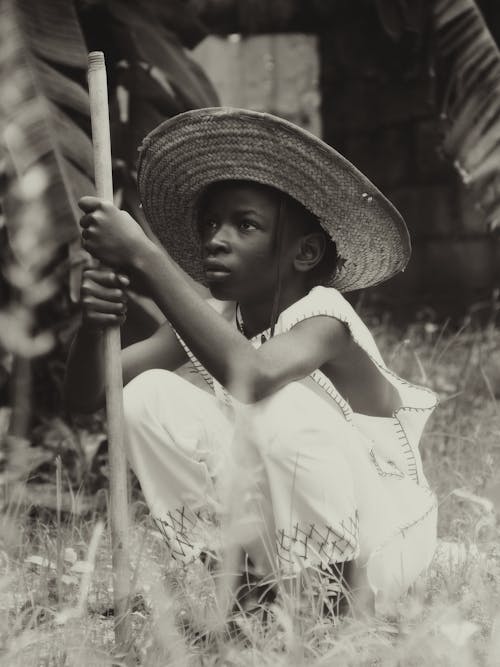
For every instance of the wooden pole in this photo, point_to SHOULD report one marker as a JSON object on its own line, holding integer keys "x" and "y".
{"x": 99, "y": 114}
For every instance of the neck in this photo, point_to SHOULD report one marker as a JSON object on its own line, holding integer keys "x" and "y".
{"x": 257, "y": 314}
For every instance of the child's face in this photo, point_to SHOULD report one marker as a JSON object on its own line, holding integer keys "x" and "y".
{"x": 237, "y": 226}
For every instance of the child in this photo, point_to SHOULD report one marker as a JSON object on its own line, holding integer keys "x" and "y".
{"x": 286, "y": 379}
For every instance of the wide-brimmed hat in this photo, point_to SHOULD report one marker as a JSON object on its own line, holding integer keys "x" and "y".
{"x": 188, "y": 152}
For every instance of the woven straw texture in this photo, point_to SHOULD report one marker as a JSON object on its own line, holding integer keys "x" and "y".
{"x": 185, "y": 154}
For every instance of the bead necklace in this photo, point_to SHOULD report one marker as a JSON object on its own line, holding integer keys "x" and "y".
{"x": 240, "y": 325}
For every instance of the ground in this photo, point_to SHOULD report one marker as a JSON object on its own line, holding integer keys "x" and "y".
{"x": 56, "y": 584}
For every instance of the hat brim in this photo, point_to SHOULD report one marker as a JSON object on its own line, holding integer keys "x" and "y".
{"x": 184, "y": 155}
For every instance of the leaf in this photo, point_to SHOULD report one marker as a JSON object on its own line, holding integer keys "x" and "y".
{"x": 484, "y": 165}
{"x": 469, "y": 62}
{"x": 468, "y": 122}
{"x": 151, "y": 101}
{"x": 180, "y": 17}
{"x": 153, "y": 44}
{"x": 41, "y": 112}
{"x": 52, "y": 31}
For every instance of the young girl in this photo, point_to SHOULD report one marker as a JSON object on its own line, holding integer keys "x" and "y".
{"x": 286, "y": 383}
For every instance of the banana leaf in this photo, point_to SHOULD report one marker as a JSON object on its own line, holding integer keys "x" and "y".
{"x": 44, "y": 108}
{"x": 469, "y": 60}
{"x": 42, "y": 113}
{"x": 156, "y": 71}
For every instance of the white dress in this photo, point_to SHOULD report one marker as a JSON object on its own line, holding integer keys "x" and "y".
{"x": 326, "y": 483}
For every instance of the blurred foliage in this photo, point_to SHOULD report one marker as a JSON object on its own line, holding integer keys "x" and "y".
{"x": 465, "y": 62}
{"x": 468, "y": 66}
{"x": 47, "y": 149}
{"x": 47, "y": 164}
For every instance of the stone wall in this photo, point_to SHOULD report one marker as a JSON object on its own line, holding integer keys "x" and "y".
{"x": 379, "y": 110}
{"x": 274, "y": 73}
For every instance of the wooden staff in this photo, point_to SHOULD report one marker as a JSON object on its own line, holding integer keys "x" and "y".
{"x": 99, "y": 114}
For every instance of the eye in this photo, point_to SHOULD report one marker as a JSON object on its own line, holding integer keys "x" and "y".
{"x": 246, "y": 224}
{"x": 208, "y": 224}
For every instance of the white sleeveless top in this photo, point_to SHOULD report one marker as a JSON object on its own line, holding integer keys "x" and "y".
{"x": 395, "y": 439}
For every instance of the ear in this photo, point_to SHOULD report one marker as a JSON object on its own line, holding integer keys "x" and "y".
{"x": 310, "y": 252}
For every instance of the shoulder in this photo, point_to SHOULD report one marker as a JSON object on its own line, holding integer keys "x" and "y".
{"x": 313, "y": 322}
{"x": 321, "y": 326}
{"x": 325, "y": 301}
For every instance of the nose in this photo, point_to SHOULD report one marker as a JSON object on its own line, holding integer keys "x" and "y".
{"x": 218, "y": 241}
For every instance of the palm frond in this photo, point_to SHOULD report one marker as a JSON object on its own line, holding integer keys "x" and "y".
{"x": 469, "y": 61}
{"x": 155, "y": 70}
{"x": 44, "y": 116}
{"x": 44, "y": 109}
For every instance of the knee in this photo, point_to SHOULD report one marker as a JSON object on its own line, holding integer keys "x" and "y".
{"x": 295, "y": 421}
{"x": 284, "y": 420}
{"x": 141, "y": 394}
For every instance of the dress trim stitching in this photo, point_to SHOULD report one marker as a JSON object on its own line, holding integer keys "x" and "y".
{"x": 197, "y": 366}
{"x": 322, "y": 380}
{"x": 406, "y": 527}
{"x": 407, "y": 448}
{"x": 384, "y": 473}
{"x": 307, "y": 543}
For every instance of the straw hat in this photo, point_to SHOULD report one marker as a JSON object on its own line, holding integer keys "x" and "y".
{"x": 185, "y": 154}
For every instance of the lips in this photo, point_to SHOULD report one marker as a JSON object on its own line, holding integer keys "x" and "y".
{"x": 210, "y": 266}
{"x": 215, "y": 269}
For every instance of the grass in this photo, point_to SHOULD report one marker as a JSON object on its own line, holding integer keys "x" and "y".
{"x": 56, "y": 579}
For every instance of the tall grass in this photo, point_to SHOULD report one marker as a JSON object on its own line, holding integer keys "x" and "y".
{"x": 56, "y": 580}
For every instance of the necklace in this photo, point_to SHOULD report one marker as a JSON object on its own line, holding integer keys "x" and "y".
{"x": 240, "y": 325}
{"x": 239, "y": 321}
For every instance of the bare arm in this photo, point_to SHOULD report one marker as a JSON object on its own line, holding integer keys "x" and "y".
{"x": 161, "y": 350}
{"x": 249, "y": 374}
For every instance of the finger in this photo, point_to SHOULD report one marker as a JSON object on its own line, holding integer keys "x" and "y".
{"x": 93, "y": 306}
{"x": 88, "y": 204}
{"x": 123, "y": 279}
{"x": 105, "y": 277}
{"x": 104, "y": 293}
{"x": 90, "y": 246}
{"x": 97, "y": 291}
{"x": 87, "y": 220}
{"x": 103, "y": 320}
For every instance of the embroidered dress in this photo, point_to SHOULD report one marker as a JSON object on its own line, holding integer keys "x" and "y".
{"x": 319, "y": 483}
